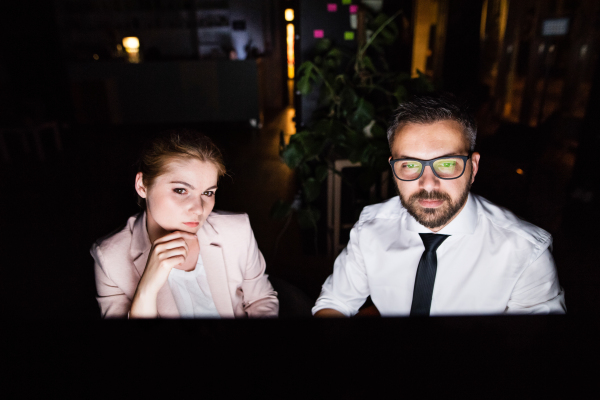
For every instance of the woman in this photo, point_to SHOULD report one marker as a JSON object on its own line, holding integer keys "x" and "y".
{"x": 178, "y": 257}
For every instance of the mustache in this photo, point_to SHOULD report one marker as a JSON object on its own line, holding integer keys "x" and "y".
{"x": 425, "y": 195}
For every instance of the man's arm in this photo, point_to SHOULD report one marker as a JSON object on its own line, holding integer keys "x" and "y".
{"x": 537, "y": 290}
{"x": 346, "y": 289}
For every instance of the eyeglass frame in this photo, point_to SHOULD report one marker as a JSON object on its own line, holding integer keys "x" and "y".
{"x": 425, "y": 163}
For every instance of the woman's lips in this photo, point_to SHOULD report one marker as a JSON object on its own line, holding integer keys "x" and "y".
{"x": 431, "y": 203}
{"x": 191, "y": 224}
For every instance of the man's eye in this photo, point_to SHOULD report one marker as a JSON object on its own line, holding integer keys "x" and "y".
{"x": 209, "y": 193}
{"x": 179, "y": 191}
{"x": 448, "y": 164}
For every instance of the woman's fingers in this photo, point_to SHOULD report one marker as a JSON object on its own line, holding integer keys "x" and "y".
{"x": 176, "y": 252}
{"x": 174, "y": 235}
{"x": 174, "y": 261}
{"x": 172, "y": 244}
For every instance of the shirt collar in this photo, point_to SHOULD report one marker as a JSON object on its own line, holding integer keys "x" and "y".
{"x": 465, "y": 222}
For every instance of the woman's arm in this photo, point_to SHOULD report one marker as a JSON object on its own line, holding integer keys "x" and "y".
{"x": 260, "y": 300}
{"x": 167, "y": 252}
{"x": 112, "y": 300}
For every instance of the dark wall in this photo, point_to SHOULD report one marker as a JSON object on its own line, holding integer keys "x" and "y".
{"x": 30, "y": 54}
{"x": 461, "y": 57}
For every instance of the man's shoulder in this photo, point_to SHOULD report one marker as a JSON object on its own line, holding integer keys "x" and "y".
{"x": 390, "y": 209}
{"x": 502, "y": 219}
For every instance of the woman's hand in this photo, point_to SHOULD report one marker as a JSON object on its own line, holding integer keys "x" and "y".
{"x": 167, "y": 252}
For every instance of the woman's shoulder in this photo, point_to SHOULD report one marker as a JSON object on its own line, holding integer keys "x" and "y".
{"x": 119, "y": 240}
{"x": 226, "y": 220}
{"x": 228, "y": 216}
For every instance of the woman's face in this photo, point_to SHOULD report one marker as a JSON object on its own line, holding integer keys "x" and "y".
{"x": 181, "y": 198}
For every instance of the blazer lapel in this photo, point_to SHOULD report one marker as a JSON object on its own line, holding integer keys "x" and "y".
{"x": 216, "y": 274}
{"x": 139, "y": 251}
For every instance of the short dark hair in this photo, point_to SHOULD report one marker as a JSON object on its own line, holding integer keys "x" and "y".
{"x": 430, "y": 108}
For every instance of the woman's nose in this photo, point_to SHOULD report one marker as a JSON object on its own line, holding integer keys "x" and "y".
{"x": 197, "y": 207}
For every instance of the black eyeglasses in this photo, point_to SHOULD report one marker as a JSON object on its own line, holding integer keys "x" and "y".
{"x": 411, "y": 169}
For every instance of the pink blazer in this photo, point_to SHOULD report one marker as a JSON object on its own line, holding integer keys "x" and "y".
{"x": 235, "y": 269}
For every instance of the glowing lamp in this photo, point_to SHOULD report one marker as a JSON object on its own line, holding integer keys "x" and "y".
{"x": 132, "y": 47}
{"x": 289, "y": 14}
{"x": 131, "y": 44}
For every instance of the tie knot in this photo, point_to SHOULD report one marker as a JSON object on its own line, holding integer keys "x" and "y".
{"x": 432, "y": 241}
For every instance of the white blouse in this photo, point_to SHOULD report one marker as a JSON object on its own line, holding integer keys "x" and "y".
{"x": 191, "y": 292}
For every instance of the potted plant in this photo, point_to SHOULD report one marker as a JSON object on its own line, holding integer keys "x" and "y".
{"x": 357, "y": 94}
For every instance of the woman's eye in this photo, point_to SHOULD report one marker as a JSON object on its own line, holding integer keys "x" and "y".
{"x": 179, "y": 191}
{"x": 209, "y": 193}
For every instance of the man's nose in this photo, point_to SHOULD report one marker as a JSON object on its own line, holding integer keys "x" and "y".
{"x": 428, "y": 180}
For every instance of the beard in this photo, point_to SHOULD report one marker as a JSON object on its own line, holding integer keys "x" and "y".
{"x": 434, "y": 217}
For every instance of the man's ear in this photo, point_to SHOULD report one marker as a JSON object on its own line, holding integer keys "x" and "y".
{"x": 475, "y": 165}
{"x": 139, "y": 185}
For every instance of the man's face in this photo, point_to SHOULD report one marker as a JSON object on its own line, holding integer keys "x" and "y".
{"x": 432, "y": 201}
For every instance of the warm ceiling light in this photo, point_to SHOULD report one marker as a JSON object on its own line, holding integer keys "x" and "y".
{"x": 289, "y": 14}
{"x": 131, "y": 43}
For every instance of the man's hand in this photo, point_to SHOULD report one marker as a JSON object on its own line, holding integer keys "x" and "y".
{"x": 329, "y": 313}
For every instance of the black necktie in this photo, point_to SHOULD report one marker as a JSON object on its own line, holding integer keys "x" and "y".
{"x": 421, "y": 301}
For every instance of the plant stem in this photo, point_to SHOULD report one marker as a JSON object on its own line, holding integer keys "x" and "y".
{"x": 374, "y": 35}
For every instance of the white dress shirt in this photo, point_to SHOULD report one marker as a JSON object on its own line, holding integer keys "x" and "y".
{"x": 492, "y": 263}
{"x": 191, "y": 292}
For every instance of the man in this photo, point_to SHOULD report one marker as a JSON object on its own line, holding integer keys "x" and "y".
{"x": 438, "y": 249}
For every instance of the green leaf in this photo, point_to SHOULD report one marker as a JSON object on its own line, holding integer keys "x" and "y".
{"x": 311, "y": 189}
{"x": 333, "y": 58}
{"x": 348, "y": 97}
{"x": 304, "y": 85}
{"x": 363, "y": 114}
{"x": 308, "y": 218}
{"x": 366, "y": 154}
{"x": 387, "y": 37}
{"x": 321, "y": 173}
{"x": 304, "y": 170}
{"x": 280, "y": 209}
{"x": 355, "y": 155}
{"x": 292, "y": 155}
{"x": 378, "y": 132}
{"x": 379, "y": 20}
{"x": 322, "y": 45}
{"x": 368, "y": 63}
{"x": 312, "y": 143}
{"x": 401, "y": 94}
{"x": 422, "y": 84}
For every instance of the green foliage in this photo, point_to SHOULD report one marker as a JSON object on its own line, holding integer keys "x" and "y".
{"x": 357, "y": 95}
{"x": 280, "y": 210}
{"x": 308, "y": 217}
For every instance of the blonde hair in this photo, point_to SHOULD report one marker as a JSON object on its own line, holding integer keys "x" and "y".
{"x": 176, "y": 144}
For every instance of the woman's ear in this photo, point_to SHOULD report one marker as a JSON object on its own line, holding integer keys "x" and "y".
{"x": 139, "y": 185}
